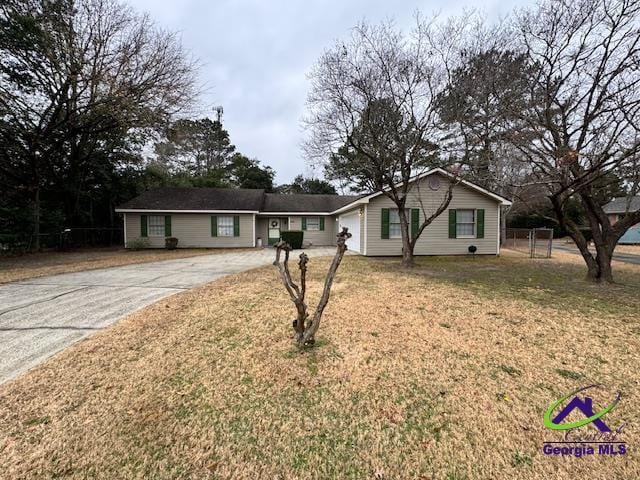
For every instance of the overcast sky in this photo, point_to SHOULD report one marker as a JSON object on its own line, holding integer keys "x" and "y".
{"x": 256, "y": 55}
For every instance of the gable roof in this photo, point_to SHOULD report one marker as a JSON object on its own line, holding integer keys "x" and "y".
{"x": 623, "y": 205}
{"x": 297, "y": 203}
{"x": 192, "y": 199}
{"x": 169, "y": 199}
{"x": 246, "y": 200}
{"x": 366, "y": 198}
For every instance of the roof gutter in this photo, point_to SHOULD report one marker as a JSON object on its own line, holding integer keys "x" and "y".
{"x": 350, "y": 206}
{"x": 275, "y": 214}
{"x": 160, "y": 210}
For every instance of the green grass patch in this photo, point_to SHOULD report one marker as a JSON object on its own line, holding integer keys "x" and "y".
{"x": 569, "y": 374}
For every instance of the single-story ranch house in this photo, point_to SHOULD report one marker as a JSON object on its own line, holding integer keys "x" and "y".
{"x": 618, "y": 208}
{"x": 215, "y": 217}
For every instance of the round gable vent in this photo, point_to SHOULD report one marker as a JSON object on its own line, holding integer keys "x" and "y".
{"x": 434, "y": 183}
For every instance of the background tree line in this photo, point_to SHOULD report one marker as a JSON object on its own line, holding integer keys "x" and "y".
{"x": 87, "y": 87}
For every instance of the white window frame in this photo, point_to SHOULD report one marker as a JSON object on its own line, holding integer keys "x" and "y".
{"x": 225, "y": 230}
{"x": 310, "y": 226}
{"x": 157, "y": 229}
{"x": 474, "y": 222}
{"x": 397, "y": 211}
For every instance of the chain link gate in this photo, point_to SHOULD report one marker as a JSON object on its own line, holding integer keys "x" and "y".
{"x": 536, "y": 242}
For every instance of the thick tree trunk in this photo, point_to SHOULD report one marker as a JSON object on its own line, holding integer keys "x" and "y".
{"x": 605, "y": 273}
{"x": 603, "y": 238}
{"x": 593, "y": 270}
{"x": 407, "y": 253}
{"x": 407, "y": 244}
{"x": 598, "y": 265}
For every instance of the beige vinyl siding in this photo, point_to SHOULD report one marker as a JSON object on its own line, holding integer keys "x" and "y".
{"x": 435, "y": 238}
{"x": 193, "y": 230}
{"x": 262, "y": 229}
{"x": 316, "y": 237}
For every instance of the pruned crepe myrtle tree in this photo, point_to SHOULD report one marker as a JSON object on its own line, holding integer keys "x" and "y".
{"x": 305, "y": 326}
{"x": 373, "y": 116}
{"x": 584, "y": 118}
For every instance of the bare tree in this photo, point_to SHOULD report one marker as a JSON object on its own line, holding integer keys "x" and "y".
{"x": 584, "y": 118}
{"x": 77, "y": 78}
{"x": 306, "y": 328}
{"x": 373, "y": 116}
{"x": 492, "y": 82}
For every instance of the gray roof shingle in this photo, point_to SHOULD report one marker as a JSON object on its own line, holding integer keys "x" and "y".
{"x": 297, "y": 202}
{"x": 623, "y": 205}
{"x": 176, "y": 198}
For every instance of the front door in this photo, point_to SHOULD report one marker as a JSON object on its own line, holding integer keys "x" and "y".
{"x": 274, "y": 231}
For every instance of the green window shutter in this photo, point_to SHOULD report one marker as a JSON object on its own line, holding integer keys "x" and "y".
{"x": 214, "y": 226}
{"x": 415, "y": 221}
{"x": 480, "y": 223}
{"x": 385, "y": 223}
{"x": 321, "y": 223}
{"x": 236, "y": 225}
{"x": 304, "y": 223}
{"x": 143, "y": 225}
{"x": 452, "y": 223}
{"x": 167, "y": 225}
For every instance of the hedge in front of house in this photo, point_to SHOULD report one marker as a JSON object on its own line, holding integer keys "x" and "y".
{"x": 293, "y": 238}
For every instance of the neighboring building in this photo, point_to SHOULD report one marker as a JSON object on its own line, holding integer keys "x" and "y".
{"x": 618, "y": 208}
{"x": 222, "y": 218}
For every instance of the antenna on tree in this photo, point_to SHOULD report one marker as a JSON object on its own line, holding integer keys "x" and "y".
{"x": 219, "y": 111}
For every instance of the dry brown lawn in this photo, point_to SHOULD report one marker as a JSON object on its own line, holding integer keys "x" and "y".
{"x": 440, "y": 373}
{"x": 32, "y": 265}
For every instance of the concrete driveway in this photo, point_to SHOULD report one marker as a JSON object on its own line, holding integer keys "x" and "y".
{"x": 42, "y": 316}
{"x": 620, "y": 257}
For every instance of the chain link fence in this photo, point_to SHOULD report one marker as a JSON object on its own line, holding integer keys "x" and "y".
{"x": 536, "y": 242}
{"x": 64, "y": 240}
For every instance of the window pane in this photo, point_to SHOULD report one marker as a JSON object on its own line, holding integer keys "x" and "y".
{"x": 155, "y": 225}
{"x": 394, "y": 224}
{"x": 465, "y": 216}
{"x": 464, "y": 229}
{"x": 313, "y": 223}
{"x": 225, "y": 226}
{"x": 465, "y": 223}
